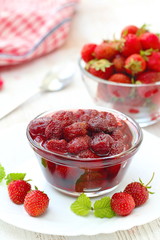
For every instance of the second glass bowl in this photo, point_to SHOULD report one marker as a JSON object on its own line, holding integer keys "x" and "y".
{"x": 139, "y": 101}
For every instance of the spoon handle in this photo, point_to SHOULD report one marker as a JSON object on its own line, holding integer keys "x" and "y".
{"x": 17, "y": 106}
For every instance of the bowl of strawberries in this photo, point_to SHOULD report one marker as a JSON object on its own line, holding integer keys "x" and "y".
{"x": 124, "y": 74}
{"x": 84, "y": 150}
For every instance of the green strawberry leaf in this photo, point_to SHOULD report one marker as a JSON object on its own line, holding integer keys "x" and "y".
{"x": 82, "y": 205}
{"x": 2, "y": 173}
{"x": 14, "y": 176}
{"x": 102, "y": 208}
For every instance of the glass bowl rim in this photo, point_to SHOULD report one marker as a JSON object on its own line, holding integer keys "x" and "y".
{"x": 81, "y": 62}
{"x": 87, "y": 160}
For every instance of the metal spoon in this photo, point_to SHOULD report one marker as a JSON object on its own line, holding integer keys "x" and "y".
{"x": 57, "y": 79}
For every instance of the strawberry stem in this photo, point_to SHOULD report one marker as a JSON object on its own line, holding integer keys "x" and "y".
{"x": 150, "y": 179}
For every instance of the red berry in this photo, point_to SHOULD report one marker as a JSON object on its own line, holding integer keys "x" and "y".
{"x": 118, "y": 63}
{"x": 148, "y": 77}
{"x": 149, "y": 40}
{"x": 139, "y": 191}
{"x": 99, "y": 124}
{"x": 153, "y": 61}
{"x": 36, "y": 203}
{"x": 57, "y": 145}
{"x": 131, "y": 45}
{"x": 122, "y": 203}
{"x": 101, "y": 143}
{"x": 17, "y": 191}
{"x": 105, "y": 50}
{"x": 87, "y": 52}
{"x": 134, "y": 64}
{"x": 78, "y": 144}
{"x": 37, "y": 126}
{"x": 129, "y": 29}
{"x": 75, "y": 130}
{"x": 120, "y": 78}
{"x": 100, "y": 68}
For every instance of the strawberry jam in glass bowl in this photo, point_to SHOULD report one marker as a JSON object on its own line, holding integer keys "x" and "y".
{"x": 84, "y": 150}
{"x": 140, "y": 101}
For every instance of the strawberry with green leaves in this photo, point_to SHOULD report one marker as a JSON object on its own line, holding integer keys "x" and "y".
{"x": 36, "y": 203}
{"x": 16, "y": 185}
{"x": 17, "y": 190}
{"x": 139, "y": 191}
{"x": 130, "y": 29}
{"x": 100, "y": 68}
{"x": 135, "y": 64}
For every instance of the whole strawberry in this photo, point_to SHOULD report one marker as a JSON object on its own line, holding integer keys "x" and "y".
{"x": 106, "y": 50}
{"x": 36, "y": 203}
{"x": 153, "y": 62}
{"x": 100, "y": 68}
{"x": 122, "y": 203}
{"x": 129, "y": 29}
{"x": 131, "y": 44}
{"x": 17, "y": 191}
{"x": 135, "y": 64}
{"x": 139, "y": 191}
{"x": 149, "y": 40}
{"x": 87, "y": 52}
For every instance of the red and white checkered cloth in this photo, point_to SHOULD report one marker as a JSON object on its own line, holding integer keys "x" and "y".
{"x": 33, "y": 28}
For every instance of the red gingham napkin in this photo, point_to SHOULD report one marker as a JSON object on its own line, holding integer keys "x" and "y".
{"x": 32, "y": 28}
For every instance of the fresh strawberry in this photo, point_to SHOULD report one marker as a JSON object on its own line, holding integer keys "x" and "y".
{"x": 139, "y": 191}
{"x": 106, "y": 50}
{"x": 129, "y": 29}
{"x": 118, "y": 63}
{"x": 100, "y": 68}
{"x": 153, "y": 61}
{"x": 87, "y": 52}
{"x": 17, "y": 190}
{"x": 134, "y": 64}
{"x": 131, "y": 45}
{"x": 120, "y": 78}
{"x": 36, "y": 203}
{"x": 149, "y": 40}
{"x": 122, "y": 203}
{"x": 148, "y": 77}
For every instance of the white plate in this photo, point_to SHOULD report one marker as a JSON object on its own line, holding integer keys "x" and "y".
{"x": 17, "y": 156}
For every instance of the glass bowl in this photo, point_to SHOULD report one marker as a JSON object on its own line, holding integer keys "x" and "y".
{"x": 139, "y": 101}
{"x": 89, "y": 165}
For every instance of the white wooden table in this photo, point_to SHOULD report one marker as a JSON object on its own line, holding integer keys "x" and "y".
{"x": 95, "y": 20}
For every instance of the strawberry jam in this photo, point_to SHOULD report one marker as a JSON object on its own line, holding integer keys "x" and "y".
{"x": 84, "y": 150}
